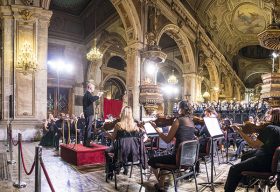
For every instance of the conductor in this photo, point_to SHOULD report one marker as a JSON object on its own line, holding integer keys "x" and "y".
{"x": 88, "y": 100}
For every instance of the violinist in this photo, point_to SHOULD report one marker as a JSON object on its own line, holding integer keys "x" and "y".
{"x": 128, "y": 129}
{"x": 49, "y": 132}
{"x": 265, "y": 144}
{"x": 182, "y": 129}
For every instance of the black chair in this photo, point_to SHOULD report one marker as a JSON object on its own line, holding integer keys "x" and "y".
{"x": 126, "y": 156}
{"x": 186, "y": 158}
{"x": 266, "y": 180}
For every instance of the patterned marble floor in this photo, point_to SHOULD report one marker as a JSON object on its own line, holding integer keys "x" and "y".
{"x": 68, "y": 178}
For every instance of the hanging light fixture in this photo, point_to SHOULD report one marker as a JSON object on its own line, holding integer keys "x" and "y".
{"x": 94, "y": 54}
{"x": 172, "y": 79}
{"x": 26, "y": 60}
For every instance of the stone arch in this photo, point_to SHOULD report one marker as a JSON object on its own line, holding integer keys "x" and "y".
{"x": 130, "y": 19}
{"x": 107, "y": 39}
{"x": 117, "y": 85}
{"x": 113, "y": 77}
{"x": 214, "y": 78}
{"x": 228, "y": 86}
{"x": 213, "y": 72}
{"x": 184, "y": 46}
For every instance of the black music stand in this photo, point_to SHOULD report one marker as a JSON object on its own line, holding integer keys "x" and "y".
{"x": 227, "y": 127}
{"x": 215, "y": 132}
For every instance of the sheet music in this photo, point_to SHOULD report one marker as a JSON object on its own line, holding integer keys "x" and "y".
{"x": 213, "y": 126}
{"x": 150, "y": 129}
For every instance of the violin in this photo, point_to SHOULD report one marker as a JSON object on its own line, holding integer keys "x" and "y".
{"x": 107, "y": 126}
{"x": 164, "y": 121}
{"x": 249, "y": 128}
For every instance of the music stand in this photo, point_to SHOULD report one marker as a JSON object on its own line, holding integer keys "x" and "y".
{"x": 227, "y": 127}
{"x": 215, "y": 132}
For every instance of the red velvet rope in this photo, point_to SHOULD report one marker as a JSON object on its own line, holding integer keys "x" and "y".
{"x": 46, "y": 175}
{"x": 22, "y": 160}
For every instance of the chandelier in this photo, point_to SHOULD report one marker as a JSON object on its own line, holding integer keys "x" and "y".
{"x": 270, "y": 37}
{"x": 172, "y": 79}
{"x": 26, "y": 60}
{"x": 94, "y": 54}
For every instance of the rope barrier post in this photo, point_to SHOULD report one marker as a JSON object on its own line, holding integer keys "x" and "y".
{"x": 19, "y": 183}
{"x": 8, "y": 138}
{"x": 7, "y": 141}
{"x": 11, "y": 161}
{"x": 38, "y": 156}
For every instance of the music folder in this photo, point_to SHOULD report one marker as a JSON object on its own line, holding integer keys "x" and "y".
{"x": 213, "y": 127}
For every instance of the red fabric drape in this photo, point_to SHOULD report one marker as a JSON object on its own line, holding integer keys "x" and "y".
{"x": 113, "y": 107}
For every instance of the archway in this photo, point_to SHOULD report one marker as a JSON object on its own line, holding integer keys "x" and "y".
{"x": 214, "y": 79}
{"x": 183, "y": 44}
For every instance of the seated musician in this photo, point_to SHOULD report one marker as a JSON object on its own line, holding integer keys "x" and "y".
{"x": 61, "y": 126}
{"x": 204, "y": 134}
{"x": 81, "y": 126}
{"x": 48, "y": 132}
{"x": 126, "y": 128}
{"x": 183, "y": 130}
{"x": 259, "y": 159}
{"x": 241, "y": 143}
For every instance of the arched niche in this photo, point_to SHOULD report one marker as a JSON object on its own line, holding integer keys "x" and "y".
{"x": 114, "y": 87}
{"x": 117, "y": 62}
{"x": 183, "y": 44}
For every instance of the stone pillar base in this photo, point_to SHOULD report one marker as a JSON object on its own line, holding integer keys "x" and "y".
{"x": 30, "y": 129}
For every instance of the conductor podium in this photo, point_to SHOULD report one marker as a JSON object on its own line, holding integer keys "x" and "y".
{"x": 78, "y": 155}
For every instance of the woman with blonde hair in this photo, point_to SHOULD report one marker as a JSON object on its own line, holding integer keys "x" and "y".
{"x": 126, "y": 147}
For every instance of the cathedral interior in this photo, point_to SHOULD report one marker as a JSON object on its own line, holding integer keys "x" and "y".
{"x": 147, "y": 54}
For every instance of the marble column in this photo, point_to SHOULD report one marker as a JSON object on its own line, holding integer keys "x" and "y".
{"x": 189, "y": 86}
{"x": 25, "y": 25}
{"x": 133, "y": 76}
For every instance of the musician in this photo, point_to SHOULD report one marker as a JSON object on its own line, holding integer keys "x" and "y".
{"x": 126, "y": 128}
{"x": 260, "y": 159}
{"x": 61, "y": 126}
{"x": 182, "y": 129}
{"x": 88, "y": 101}
{"x": 81, "y": 126}
{"x": 49, "y": 132}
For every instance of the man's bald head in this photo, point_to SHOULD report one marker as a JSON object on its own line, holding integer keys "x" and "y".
{"x": 90, "y": 87}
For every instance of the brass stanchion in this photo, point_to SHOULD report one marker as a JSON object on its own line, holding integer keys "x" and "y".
{"x": 38, "y": 155}
{"x": 62, "y": 131}
{"x": 19, "y": 183}
{"x": 69, "y": 139}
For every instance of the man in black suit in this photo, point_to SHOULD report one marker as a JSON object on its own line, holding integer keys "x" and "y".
{"x": 88, "y": 100}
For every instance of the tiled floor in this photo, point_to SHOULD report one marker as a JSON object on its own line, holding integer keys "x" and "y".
{"x": 68, "y": 178}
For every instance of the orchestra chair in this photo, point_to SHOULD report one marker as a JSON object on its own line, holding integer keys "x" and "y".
{"x": 186, "y": 158}
{"x": 265, "y": 180}
{"x": 117, "y": 156}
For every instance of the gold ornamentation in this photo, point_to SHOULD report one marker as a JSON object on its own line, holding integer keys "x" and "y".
{"x": 26, "y": 15}
{"x": 27, "y": 62}
{"x": 27, "y": 2}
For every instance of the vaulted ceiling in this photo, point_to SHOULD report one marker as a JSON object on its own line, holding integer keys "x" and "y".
{"x": 233, "y": 26}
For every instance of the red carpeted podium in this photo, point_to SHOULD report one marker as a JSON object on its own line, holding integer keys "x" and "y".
{"x": 80, "y": 155}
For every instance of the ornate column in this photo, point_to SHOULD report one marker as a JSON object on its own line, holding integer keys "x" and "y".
{"x": 133, "y": 76}
{"x": 199, "y": 80}
{"x": 25, "y": 30}
{"x": 189, "y": 86}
